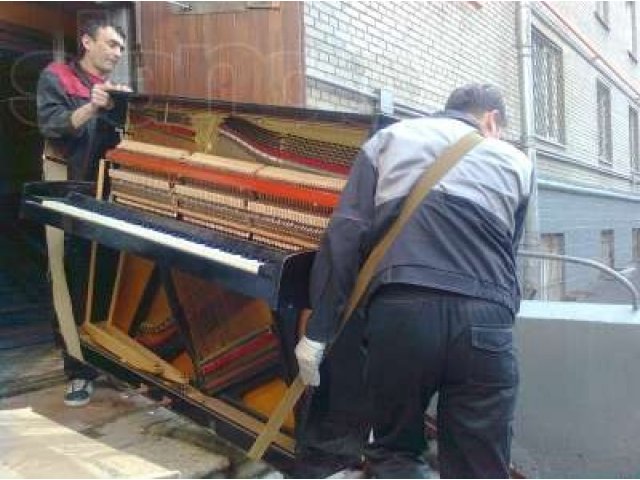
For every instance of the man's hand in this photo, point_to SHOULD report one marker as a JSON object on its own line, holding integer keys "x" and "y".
{"x": 100, "y": 97}
{"x": 309, "y": 354}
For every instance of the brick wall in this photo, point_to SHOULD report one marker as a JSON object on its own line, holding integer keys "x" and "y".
{"x": 419, "y": 50}
{"x": 581, "y": 218}
{"x": 580, "y": 77}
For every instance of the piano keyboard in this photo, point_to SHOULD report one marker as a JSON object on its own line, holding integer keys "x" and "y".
{"x": 187, "y": 246}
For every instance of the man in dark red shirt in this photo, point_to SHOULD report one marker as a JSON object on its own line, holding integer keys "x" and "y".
{"x": 76, "y": 116}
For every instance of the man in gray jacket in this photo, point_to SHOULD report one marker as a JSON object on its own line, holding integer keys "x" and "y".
{"x": 442, "y": 303}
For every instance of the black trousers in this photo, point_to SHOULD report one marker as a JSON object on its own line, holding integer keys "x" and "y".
{"x": 331, "y": 421}
{"x": 422, "y": 342}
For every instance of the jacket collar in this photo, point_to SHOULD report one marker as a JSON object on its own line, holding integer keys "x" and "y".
{"x": 461, "y": 116}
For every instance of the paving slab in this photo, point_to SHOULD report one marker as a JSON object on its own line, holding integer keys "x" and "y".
{"x": 121, "y": 419}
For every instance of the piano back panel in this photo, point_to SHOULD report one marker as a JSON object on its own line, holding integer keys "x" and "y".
{"x": 216, "y": 316}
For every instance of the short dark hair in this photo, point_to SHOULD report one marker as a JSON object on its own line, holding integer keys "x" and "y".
{"x": 91, "y": 26}
{"x": 478, "y": 98}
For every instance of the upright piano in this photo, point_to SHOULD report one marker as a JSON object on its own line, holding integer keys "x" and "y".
{"x": 211, "y": 211}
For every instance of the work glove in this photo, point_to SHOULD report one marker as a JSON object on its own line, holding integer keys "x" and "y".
{"x": 309, "y": 354}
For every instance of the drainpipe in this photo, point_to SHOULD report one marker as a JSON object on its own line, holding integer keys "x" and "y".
{"x": 532, "y": 268}
{"x": 136, "y": 58}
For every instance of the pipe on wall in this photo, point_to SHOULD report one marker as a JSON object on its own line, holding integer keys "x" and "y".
{"x": 532, "y": 271}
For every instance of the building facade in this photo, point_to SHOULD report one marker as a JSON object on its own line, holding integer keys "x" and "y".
{"x": 572, "y": 65}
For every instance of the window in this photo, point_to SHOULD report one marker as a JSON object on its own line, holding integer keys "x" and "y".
{"x": 548, "y": 88}
{"x": 605, "y": 150}
{"x": 607, "y": 240}
{"x": 635, "y": 255}
{"x": 602, "y": 13}
{"x": 633, "y": 140}
{"x": 553, "y": 271}
{"x": 633, "y": 31}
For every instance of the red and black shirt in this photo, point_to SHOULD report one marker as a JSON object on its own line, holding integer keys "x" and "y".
{"x": 62, "y": 88}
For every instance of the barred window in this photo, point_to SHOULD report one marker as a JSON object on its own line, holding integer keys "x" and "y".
{"x": 548, "y": 88}
{"x": 633, "y": 140}
{"x": 633, "y": 31}
{"x": 605, "y": 150}
{"x": 602, "y": 13}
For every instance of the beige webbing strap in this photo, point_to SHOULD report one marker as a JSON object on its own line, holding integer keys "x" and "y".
{"x": 420, "y": 190}
{"x": 53, "y": 171}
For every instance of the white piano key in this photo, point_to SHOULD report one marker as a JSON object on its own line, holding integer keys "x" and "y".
{"x": 219, "y": 256}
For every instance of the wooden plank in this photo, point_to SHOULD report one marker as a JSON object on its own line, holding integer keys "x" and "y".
{"x": 168, "y": 371}
{"x": 239, "y": 417}
{"x": 252, "y": 56}
{"x": 51, "y": 18}
{"x": 132, "y": 353}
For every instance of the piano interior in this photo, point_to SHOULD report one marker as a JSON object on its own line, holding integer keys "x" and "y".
{"x": 269, "y": 180}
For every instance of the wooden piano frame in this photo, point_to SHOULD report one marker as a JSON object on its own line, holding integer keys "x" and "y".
{"x": 113, "y": 351}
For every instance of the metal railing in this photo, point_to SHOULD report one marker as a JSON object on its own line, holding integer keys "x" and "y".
{"x": 635, "y": 296}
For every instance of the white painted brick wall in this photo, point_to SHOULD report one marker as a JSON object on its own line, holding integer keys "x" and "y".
{"x": 580, "y": 77}
{"x": 420, "y": 50}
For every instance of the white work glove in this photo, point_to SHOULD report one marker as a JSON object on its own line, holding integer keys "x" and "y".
{"x": 309, "y": 354}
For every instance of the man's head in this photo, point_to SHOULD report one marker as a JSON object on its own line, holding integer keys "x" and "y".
{"x": 100, "y": 46}
{"x": 484, "y": 102}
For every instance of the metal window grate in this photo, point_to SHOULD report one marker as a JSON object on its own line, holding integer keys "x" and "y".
{"x": 605, "y": 148}
{"x": 634, "y": 155}
{"x": 602, "y": 13}
{"x": 607, "y": 239}
{"x": 548, "y": 88}
{"x": 633, "y": 30}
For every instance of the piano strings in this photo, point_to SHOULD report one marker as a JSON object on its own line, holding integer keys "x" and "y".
{"x": 270, "y": 205}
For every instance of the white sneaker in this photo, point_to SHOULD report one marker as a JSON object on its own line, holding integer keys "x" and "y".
{"x": 79, "y": 391}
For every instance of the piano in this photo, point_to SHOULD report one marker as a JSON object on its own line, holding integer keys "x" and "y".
{"x": 213, "y": 211}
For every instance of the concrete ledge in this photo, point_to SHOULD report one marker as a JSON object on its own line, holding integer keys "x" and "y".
{"x": 577, "y": 412}
{"x": 578, "y": 312}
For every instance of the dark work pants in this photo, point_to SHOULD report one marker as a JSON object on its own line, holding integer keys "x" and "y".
{"x": 331, "y": 423}
{"x": 423, "y": 341}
